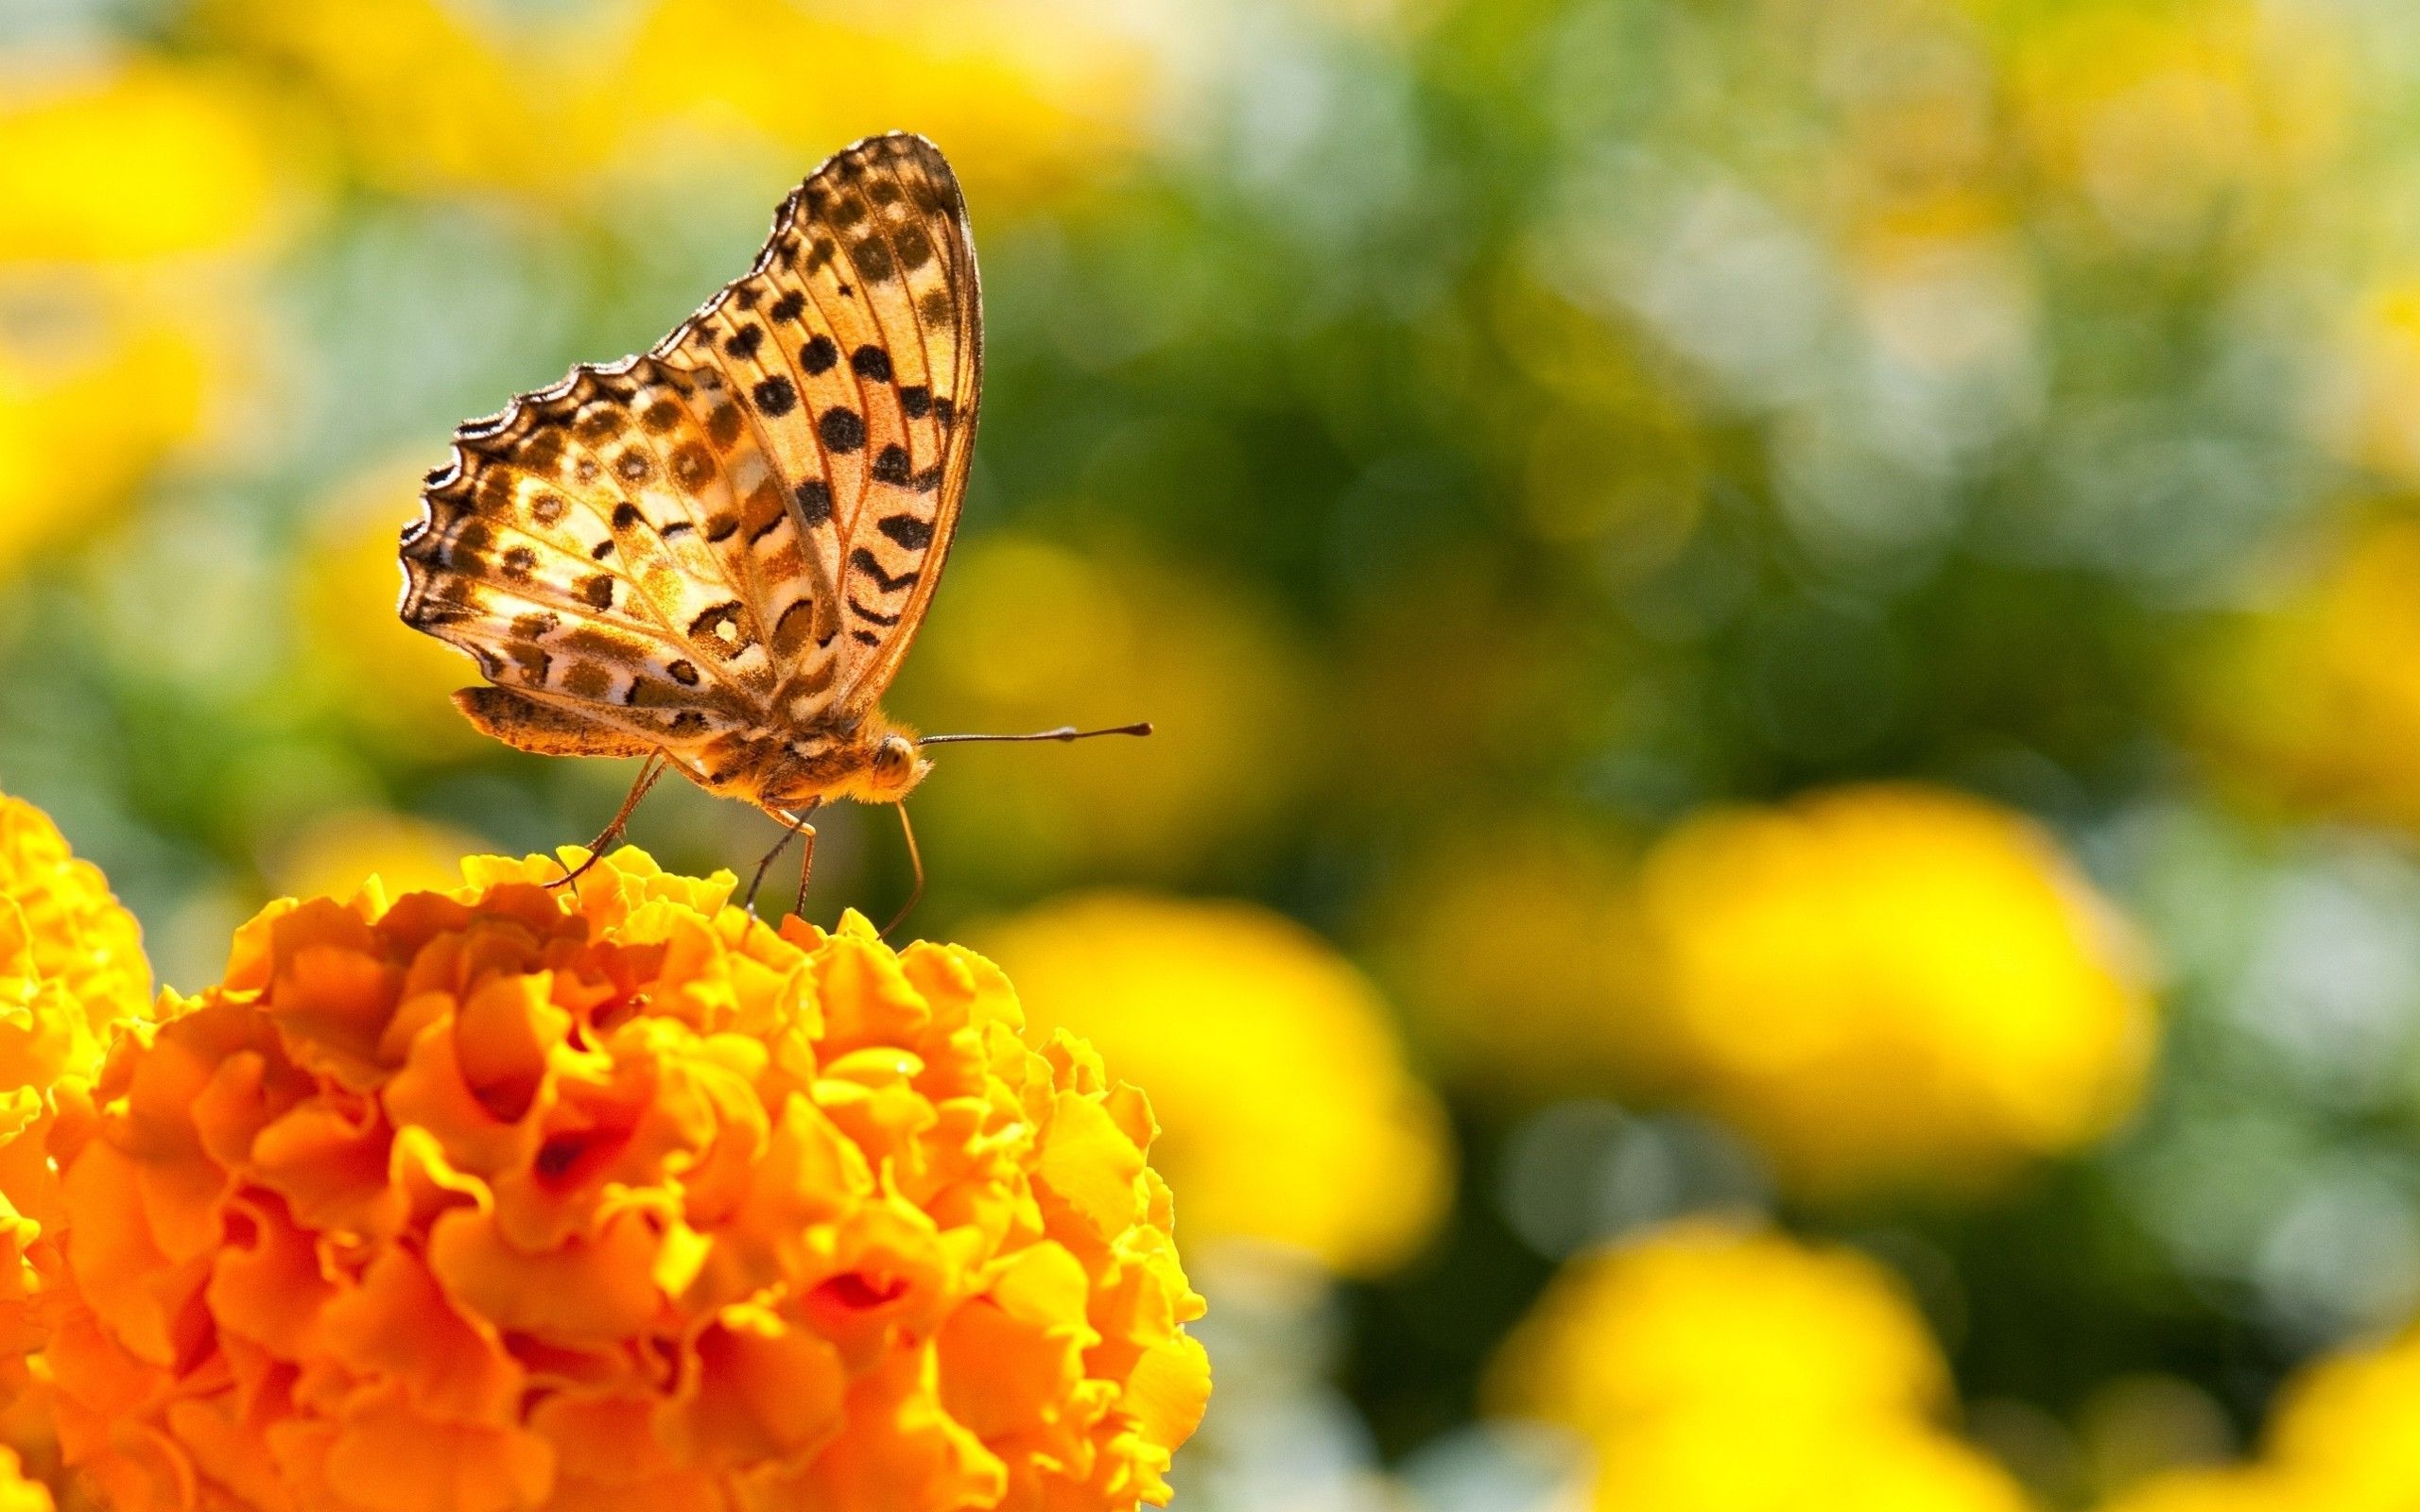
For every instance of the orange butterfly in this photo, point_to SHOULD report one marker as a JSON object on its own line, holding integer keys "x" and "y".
{"x": 715, "y": 555}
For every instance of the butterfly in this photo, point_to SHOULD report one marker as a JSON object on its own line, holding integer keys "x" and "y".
{"x": 715, "y": 554}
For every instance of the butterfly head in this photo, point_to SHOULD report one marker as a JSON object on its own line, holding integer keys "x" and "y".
{"x": 879, "y": 764}
{"x": 893, "y": 768}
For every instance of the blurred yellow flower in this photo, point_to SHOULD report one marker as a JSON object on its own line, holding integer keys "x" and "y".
{"x": 2159, "y": 118}
{"x": 429, "y": 98}
{"x": 1726, "y": 1461}
{"x": 2345, "y": 1425}
{"x": 2340, "y": 1439}
{"x": 1290, "y": 1115}
{"x": 1019, "y": 94}
{"x": 380, "y": 676}
{"x": 1097, "y": 642}
{"x": 406, "y": 853}
{"x": 96, "y": 388}
{"x": 142, "y": 161}
{"x": 1889, "y": 985}
{"x": 1716, "y": 1368}
{"x": 2232, "y": 1490}
{"x": 117, "y": 345}
{"x": 508, "y": 1197}
{"x": 1524, "y": 1005}
{"x": 1706, "y": 1313}
{"x": 2372, "y": 411}
{"x": 2316, "y": 701}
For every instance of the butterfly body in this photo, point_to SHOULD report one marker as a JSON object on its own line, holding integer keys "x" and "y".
{"x": 719, "y": 552}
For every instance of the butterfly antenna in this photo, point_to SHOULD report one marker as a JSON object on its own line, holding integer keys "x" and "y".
{"x": 613, "y": 831}
{"x": 1065, "y": 733}
{"x": 915, "y": 860}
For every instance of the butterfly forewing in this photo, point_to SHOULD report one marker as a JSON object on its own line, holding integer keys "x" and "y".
{"x": 739, "y": 530}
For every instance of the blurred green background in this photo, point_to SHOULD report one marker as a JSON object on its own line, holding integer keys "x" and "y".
{"x": 1784, "y": 635}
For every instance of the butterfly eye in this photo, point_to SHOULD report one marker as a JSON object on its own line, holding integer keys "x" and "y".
{"x": 895, "y": 753}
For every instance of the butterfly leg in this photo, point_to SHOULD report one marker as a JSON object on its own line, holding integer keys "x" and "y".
{"x": 805, "y": 870}
{"x": 613, "y": 831}
{"x": 915, "y": 860}
{"x": 792, "y": 826}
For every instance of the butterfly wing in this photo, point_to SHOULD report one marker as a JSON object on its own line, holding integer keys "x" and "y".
{"x": 856, "y": 349}
{"x": 663, "y": 550}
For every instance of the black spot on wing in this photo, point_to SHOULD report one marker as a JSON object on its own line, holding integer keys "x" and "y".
{"x": 817, "y": 355}
{"x": 865, "y": 562}
{"x": 814, "y": 498}
{"x": 909, "y": 532}
{"x": 774, "y": 396}
{"x": 873, "y": 259}
{"x": 842, "y": 428}
{"x": 871, "y": 361}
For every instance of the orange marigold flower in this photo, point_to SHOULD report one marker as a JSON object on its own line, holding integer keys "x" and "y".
{"x": 71, "y": 968}
{"x": 508, "y": 1198}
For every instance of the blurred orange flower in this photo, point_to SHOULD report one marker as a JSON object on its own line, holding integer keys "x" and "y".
{"x": 510, "y": 1198}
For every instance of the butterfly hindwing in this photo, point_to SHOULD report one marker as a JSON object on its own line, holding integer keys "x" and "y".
{"x": 565, "y": 554}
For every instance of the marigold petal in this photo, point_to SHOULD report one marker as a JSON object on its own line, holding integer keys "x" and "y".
{"x": 266, "y": 1285}
{"x": 585, "y": 1292}
{"x": 1092, "y": 1164}
{"x": 389, "y": 1457}
{"x": 398, "y": 1323}
{"x": 766, "y": 1390}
